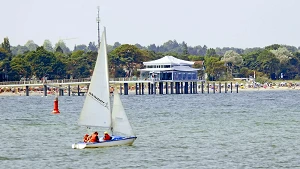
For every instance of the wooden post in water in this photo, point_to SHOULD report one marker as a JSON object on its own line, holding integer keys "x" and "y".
{"x": 191, "y": 87}
{"x": 61, "y": 92}
{"x": 125, "y": 88}
{"x": 231, "y": 87}
{"x": 155, "y": 87}
{"x": 78, "y": 90}
{"x": 69, "y": 90}
{"x": 45, "y": 90}
{"x": 214, "y": 86}
{"x": 167, "y": 88}
{"x": 172, "y": 87}
{"x": 226, "y": 87}
{"x": 207, "y": 87}
{"x": 136, "y": 89}
{"x": 149, "y": 88}
{"x": 143, "y": 88}
{"x": 186, "y": 87}
{"x": 202, "y": 87}
{"x": 237, "y": 88}
{"x": 220, "y": 87}
{"x": 152, "y": 86}
{"x": 177, "y": 87}
{"x": 161, "y": 87}
{"x": 27, "y": 90}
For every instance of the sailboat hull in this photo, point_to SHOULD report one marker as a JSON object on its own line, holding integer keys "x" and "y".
{"x": 116, "y": 141}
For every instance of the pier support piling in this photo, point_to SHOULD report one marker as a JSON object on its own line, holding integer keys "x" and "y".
{"x": 27, "y": 90}
{"x": 172, "y": 87}
{"x": 45, "y": 90}
{"x": 69, "y": 90}
{"x": 125, "y": 88}
{"x": 186, "y": 87}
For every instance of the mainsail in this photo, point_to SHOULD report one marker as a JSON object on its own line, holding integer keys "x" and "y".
{"x": 96, "y": 110}
{"x": 119, "y": 118}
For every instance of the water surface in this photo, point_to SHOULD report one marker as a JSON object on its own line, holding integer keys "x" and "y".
{"x": 258, "y": 129}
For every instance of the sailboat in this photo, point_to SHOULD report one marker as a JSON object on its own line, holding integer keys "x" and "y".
{"x": 97, "y": 110}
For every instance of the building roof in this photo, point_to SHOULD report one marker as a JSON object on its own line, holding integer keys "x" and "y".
{"x": 168, "y": 60}
{"x": 175, "y": 68}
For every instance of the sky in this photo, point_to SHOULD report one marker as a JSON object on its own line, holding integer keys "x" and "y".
{"x": 214, "y": 23}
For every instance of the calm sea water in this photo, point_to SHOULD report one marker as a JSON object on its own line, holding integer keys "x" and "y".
{"x": 258, "y": 129}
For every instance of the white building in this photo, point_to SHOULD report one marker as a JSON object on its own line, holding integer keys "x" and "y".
{"x": 169, "y": 68}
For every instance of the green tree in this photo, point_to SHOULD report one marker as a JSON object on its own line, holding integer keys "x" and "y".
{"x": 6, "y": 46}
{"x": 19, "y": 50}
{"x": 282, "y": 54}
{"x": 272, "y": 47}
{"x": 127, "y": 55}
{"x": 232, "y": 60}
{"x": 31, "y": 45}
{"x": 20, "y": 68}
{"x": 42, "y": 62}
{"x": 48, "y": 45}
{"x": 3, "y": 54}
{"x": 185, "y": 52}
{"x": 211, "y": 52}
{"x": 92, "y": 47}
{"x": 214, "y": 67}
{"x": 81, "y": 47}
{"x": 59, "y": 50}
{"x": 269, "y": 64}
{"x": 63, "y": 46}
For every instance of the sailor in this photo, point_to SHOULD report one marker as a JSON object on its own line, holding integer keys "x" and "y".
{"x": 85, "y": 138}
{"x": 106, "y": 136}
{"x": 94, "y": 138}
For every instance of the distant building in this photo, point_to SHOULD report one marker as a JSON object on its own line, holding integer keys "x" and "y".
{"x": 169, "y": 68}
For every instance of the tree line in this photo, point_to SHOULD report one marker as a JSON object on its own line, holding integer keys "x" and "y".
{"x": 58, "y": 61}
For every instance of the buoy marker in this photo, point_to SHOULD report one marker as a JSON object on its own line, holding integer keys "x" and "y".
{"x": 55, "y": 109}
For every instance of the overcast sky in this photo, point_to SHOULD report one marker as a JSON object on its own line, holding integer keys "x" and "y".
{"x": 215, "y": 23}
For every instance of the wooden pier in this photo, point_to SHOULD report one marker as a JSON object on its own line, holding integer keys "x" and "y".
{"x": 125, "y": 86}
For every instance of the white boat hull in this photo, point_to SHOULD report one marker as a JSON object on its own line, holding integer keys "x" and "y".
{"x": 101, "y": 144}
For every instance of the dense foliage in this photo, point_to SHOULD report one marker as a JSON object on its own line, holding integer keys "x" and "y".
{"x": 58, "y": 61}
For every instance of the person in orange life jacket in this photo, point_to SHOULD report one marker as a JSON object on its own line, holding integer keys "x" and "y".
{"x": 94, "y": 138}
{"x": 85, "y": 138}
{"x": 106, "y": 136}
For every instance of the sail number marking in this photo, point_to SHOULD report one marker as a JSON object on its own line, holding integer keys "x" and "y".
{"x": 105, "y": 104}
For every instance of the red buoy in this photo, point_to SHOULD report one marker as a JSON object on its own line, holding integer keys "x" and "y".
{"x": 55, "y": 109}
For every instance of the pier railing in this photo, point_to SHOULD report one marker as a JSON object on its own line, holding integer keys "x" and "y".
{"x": 65, "y": 81}
{"x": 45, "y": 81}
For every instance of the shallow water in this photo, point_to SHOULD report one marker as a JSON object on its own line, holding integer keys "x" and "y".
{"x": 258, "y": 129}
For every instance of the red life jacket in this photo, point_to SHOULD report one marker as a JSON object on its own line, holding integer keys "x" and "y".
{"x": 106, "y": 137}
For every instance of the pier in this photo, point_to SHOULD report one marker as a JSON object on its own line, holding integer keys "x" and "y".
{"x": 79, "y": 87}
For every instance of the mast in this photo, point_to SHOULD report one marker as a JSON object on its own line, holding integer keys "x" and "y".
{"x": 98, "y": 21}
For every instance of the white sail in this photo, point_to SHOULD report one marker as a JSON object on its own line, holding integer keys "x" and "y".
{"x": 119, "y": 118}
{"x": 96, "y": 108}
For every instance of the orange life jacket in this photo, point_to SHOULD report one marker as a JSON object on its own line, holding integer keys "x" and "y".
{"x": 106, "y": 137}
{"x": 85, "y": 138}
{"x": 94, "y": 138}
